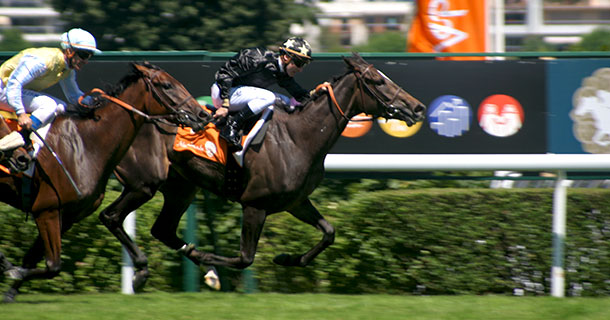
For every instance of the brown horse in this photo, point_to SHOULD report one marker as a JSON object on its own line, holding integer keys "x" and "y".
{"x": 278, "y": 174}
{"x": 90, "y": 148}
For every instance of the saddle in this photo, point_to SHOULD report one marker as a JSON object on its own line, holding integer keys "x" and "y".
{"x": 207, "y": 144}
{"x": 11, "y": 160}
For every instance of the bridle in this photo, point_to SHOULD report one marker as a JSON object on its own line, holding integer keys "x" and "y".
{"x": 389, "y": 109}
{"x": 178, "y": 115}
{"x": 181, "y": 116}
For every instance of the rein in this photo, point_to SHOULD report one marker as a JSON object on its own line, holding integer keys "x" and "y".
{"x": 115, "y": 101}
{"x": 331, "y": 92}
{"x": 149, "y": 118}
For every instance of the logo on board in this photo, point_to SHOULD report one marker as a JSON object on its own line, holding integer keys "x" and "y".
{"x": 398, "y": 128}
{"x": 591, "y": 112}
{"x": 358, "y": 126}
{"x": 500, "y": 115}
{"x": 449, "y": 116}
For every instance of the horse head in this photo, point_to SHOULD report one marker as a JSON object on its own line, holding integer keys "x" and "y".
{"x": 173, "y": 96}
{"x": 390, "y": 100}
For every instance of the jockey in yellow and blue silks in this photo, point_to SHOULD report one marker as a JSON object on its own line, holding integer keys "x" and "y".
{"x": 24, "y": 75}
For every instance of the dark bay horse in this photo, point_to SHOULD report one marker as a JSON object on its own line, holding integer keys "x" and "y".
{"x": 278, "y": 174}
{"x": 90, "y": 148}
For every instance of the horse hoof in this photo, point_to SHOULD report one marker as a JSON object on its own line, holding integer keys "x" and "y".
{"x": 212, "y": 280}
{"x": 15, "y": 273}
{"x": 139, "y": 280}
{"x": 9, "y": 296}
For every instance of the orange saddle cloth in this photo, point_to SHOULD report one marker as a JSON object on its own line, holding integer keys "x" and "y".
{"x": 205, "y": 143}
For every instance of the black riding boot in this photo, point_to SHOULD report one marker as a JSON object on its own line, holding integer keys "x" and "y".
{"x": 231, "y": 131}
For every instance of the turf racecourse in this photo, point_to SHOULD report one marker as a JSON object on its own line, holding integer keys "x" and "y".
{"x": 212, "y": 305}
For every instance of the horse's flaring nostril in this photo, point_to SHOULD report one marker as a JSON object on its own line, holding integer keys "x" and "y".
{"x": 420, "y": 108}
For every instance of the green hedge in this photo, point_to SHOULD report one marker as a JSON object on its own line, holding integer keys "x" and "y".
{"x": 428, "y": 241}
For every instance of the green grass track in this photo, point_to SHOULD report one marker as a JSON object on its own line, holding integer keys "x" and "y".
{"x": 212, "y": 305}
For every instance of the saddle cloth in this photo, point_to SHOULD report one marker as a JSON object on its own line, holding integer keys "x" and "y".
{"x": 208, "y": 144}
{"x": 10, "y": 117}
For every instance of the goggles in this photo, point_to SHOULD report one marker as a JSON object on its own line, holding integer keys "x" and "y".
{"x": 84, "y": 55}
{"x": 300, "y": 63}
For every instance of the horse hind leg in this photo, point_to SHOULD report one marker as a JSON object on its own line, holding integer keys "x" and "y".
{"x": 307, "y": 213}
{"x": 113, "y": 216}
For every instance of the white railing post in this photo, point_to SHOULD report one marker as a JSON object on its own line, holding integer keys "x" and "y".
{"x": 127, "y": 270}
{"x": 559, "y": 234}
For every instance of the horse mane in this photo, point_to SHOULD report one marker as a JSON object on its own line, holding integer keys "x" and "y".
{"x": 132, "y": 77}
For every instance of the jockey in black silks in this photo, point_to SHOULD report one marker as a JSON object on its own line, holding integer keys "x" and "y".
{"x": 241, "y": 84}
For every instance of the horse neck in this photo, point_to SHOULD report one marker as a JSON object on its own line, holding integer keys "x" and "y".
{"x": 124, "y": 121}
{"x": 325, "y": 121}
{"x": 92, "y": 148}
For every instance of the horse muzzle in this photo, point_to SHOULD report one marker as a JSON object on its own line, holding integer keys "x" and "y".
{"x": 197, "y": 122}
{"x": 406, "y": 114}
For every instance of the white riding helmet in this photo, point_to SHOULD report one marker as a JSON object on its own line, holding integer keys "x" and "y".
{"x": 79, "y": 39}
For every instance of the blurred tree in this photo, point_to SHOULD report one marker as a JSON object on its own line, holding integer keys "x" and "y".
{"x": 392, "y": 41}
{"x": 12, "y": 40}
{"x": 536, "y": 44}
{"x": 331, "y": 41}
{"x": 227, "y": 25}
{"x": 598, "y": 40}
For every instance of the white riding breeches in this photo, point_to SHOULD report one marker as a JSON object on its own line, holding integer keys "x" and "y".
{"x": 257, "y": 99}
{"x": 42, "y": 106}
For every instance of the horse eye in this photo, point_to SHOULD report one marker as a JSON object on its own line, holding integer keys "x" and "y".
{"x": 166, "y": 85}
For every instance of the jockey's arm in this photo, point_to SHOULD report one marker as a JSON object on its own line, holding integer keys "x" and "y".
{"x": 72, "y": 91}
{"x": 28, "y": 69}
{"x": 294, "y": 89}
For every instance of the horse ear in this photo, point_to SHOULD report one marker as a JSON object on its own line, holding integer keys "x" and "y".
{"x": 352, "y": 61}
{"x": 140, "y": 68}
{"x": 356, "y": 62}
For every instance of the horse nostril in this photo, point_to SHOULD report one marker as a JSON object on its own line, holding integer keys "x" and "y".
{"x": 420, "y": 108}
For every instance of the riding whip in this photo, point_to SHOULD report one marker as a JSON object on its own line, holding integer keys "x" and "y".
{"x": 78, "y": 193}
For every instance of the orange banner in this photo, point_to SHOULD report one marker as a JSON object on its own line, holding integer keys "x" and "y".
{"x": 449, "y": 26}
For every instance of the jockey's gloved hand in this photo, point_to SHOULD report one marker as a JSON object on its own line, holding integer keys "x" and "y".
{"x": 95, "y": 100}
{"x": 286, "y": 106}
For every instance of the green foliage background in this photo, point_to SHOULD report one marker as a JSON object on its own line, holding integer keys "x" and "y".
{"x": 227, "y": 25}
{"x": 396, "y": 241}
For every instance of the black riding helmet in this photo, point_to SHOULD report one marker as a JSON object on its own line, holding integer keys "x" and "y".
{"x": 298, "y": 49}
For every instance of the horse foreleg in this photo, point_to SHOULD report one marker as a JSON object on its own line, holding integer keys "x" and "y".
{"x": 49, "y": 227}
{"x": 26, "y": 271}
{"x": 113, "y": 216}
{"x": 4, "y": 263}
{"x": 252, "y": 226}
{"x": 307, "y": 213}
{"x": 49, "y": 242}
